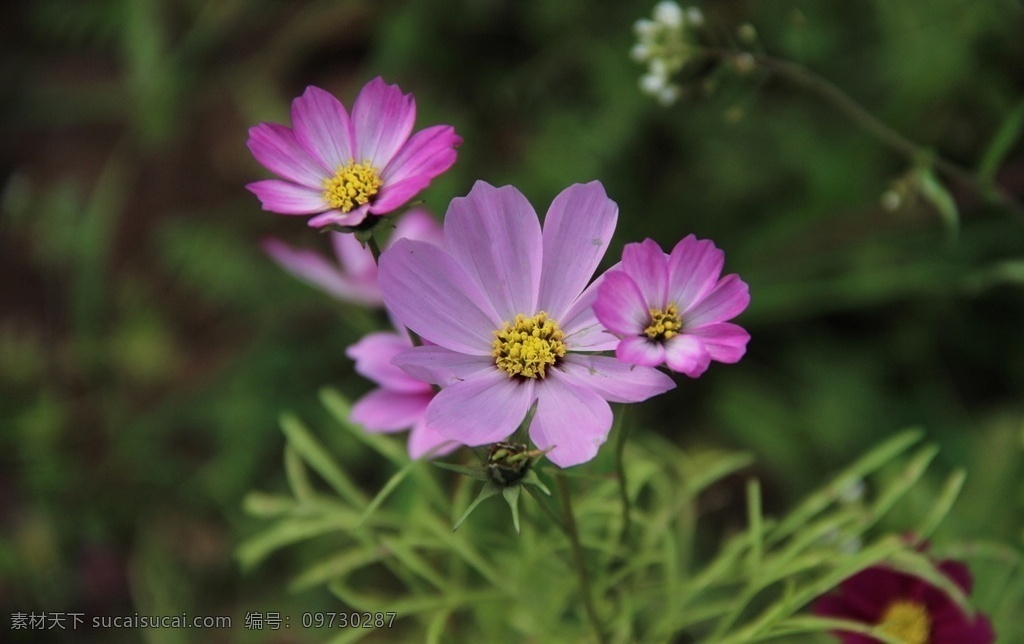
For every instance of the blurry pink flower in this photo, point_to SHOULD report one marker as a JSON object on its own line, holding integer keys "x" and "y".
{"x": 509, "y": 309}
{"x": 343, "y": 169}
{"x": 353, "y": 277}
{"x": 401, "y": 401}
{"x": 672, "y": 309}
{"x": 906, "y": 607}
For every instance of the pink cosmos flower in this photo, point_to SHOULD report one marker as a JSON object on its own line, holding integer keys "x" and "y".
{"x": 906, "y": 607}
{"x": 353, "y": 277}
{"x": 401, "y": 401}
{"x": 343, "y": 169}
{"x": 672, "y": 309}
{"x": 508, "y": 306}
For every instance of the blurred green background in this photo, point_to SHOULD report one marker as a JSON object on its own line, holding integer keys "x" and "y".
{"x": 147, "y": 347}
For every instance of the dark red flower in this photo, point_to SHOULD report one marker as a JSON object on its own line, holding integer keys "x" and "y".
{"x": 906, "y": 606}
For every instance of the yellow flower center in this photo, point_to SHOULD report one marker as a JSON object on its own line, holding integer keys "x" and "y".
{"x": 352, "y": 185}
{"x": 907, "y": 621}
{"x": 664, "y": 323}
{"x": 526, "y": 347}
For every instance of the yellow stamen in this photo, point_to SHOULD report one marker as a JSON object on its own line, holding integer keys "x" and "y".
{"x": 907, "y": 621}
{"x": 664, "y": 323}
{"x": 526, "y": 347}
{"x": 352, "y": 185}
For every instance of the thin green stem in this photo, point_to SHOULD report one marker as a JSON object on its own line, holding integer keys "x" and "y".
{"x": 621, "y": 430}
{"x": 572, "y": 532}
{"x": 867, "y": 121}
{"x": 543, "y": 503}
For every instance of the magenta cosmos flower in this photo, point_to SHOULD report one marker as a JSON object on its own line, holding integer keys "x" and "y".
{"x": 508, "y": 306}
{"x": 352, "y": 276}
{"x": 401, "y": 401}
{"x": 906, "y": 607}
{"x": 672, "y": 309}
{"x": 343, "y": 168}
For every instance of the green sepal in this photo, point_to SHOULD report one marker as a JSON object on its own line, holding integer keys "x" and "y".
{"x": 487, "y": 491}
{"x": 511, "y": 495}
{"x": 531, "y": 478}
{"x": 477, "y": 473}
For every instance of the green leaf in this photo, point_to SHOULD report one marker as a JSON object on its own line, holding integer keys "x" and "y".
{"x": 341, "y": 409}
{"x": 298, "y": 477}
{"x": 386, "y": 491}
{"x": 318, "y": 458}
{"x": 1003, "y": 141}
{"x": 288, "y": 531}
{"x": 943, "y": 504}
{"x": 873, "y": 460}
{"x": 937, "y": 194}
{"x": 337, "y": 567}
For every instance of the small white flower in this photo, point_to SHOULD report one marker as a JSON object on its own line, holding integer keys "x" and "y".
{"x": 652, "y": 84}
{"x": 668, "y": 94}
{"x": 694, "y": 17}
{"x": 658, "y": 67}
{"x": 640, "y": 52}
{"x": 668, "y": 13}
{"x": 891, "y": 200}
{"x": 644, "y": 28}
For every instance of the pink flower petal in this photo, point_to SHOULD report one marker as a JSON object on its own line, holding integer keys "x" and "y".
{"x": 638, "y": 350}
{"x": 573, "y": 420}
{"x": 648, "y": 266}
{"x": 583, "y": 331}
{"x": 694, "y": 267}
{"x": 577, "y": 228}
{"x": 417, "y": 224}
{"x": 687, "y": 354}
{"x": 440, "y": 366}
{"x": 725, "y": 341}
{"x": 494, "y": 234}
{"x": 727, "y": 300}
{"x": 958, "y": 573}
{"x": 355, "y": 259}
{"x": 382, "y": 119}
{"x": 614, "y": 380}
{"x": 427, "y": 154}
{"x": 383, "y": 410}
{"x": 353, "y": 217}
{"x": 431, "y": 294}
{"x": 424, "y": 441}
{"x": 288, "y": 198}
{"x": 276, "y": 148}
{"x": 620, "y": 305}
{"x": 373, "y": 355}
{"x": 322, "y": 127}
{"x": 481, "y": 410}
{"x": 312, "y": 268}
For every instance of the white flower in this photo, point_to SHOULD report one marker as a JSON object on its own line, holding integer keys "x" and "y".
{"x": 652, "y": 84}
{"x": 694, "y": 17}
{"x": 668, "y": 13}
{"x": 644, "y": 28}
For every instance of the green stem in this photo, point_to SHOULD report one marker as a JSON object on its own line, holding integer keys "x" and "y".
{"x": 572, "y": 532}
{"x": 622, "y": 433}
{"x": 853, "y": 110}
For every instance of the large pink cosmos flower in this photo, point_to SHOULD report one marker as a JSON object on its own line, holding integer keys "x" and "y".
{"x": 343, "y": 169}
{"x": 508, "y": 307}
{"x": 906, "y": 607}
{"x": 401, "y": 401}
{"x": 353, "y": 276}
{"x": 672, "y": 309}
